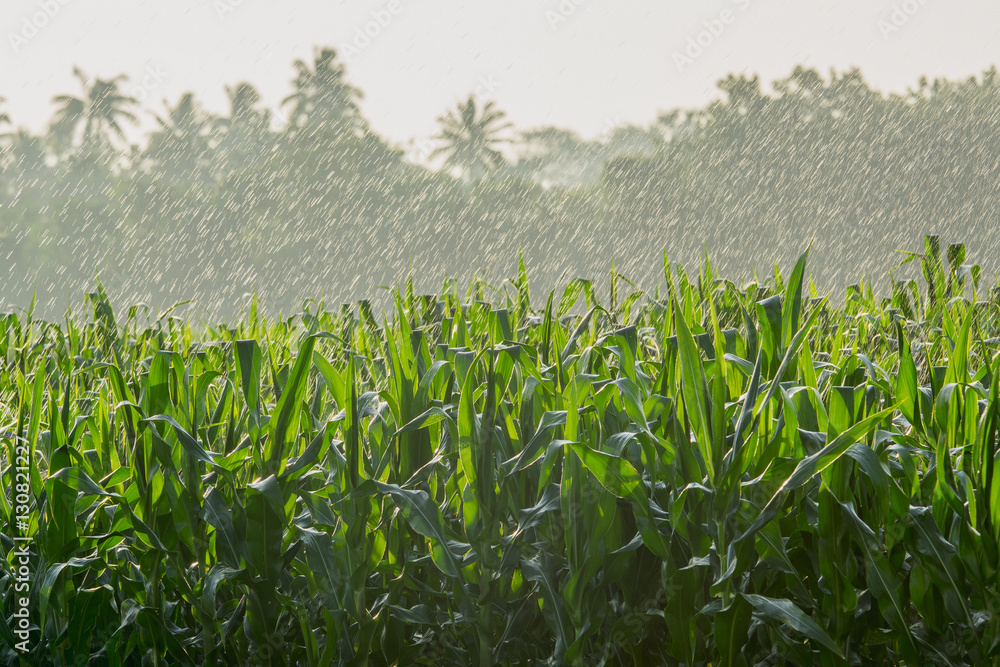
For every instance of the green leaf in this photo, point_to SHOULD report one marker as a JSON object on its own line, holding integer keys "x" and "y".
{"x": 779, "y": 610}
{"x": 730, "y": 630}
{"x": 187, "y": 441}
{"x": 425, "y": 518}
{"x": 265, "y": 519}
{"x": 792, "y": 307}
{"x": 812, "y": 465}
{"x": 883, "y": 583}
{"x": 248, "y": 375}
{"x": 79, "y": 481}
{"x": 695, "y": 392}
{"x": 619, "y": 477}
{"x": 907, "y": 391}
{"x": 284, "y": 425}
{"x": 216, "y": 513}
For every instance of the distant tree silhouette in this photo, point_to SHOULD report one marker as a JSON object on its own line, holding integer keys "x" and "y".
{"x": 217, "y": 204}
{"x": 181, "y": 148}
{"x": 323, "y": 101}
{"x": 94, "y": 121}
{"x": 245, "y": 135}
{"x": 471, "y": 138}
{"x": 554, "y": 156}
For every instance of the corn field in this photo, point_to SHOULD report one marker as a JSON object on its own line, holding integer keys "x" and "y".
{"x": 708, "y": 474}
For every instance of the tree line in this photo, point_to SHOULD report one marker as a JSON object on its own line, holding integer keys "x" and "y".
{"x": 212, "y": 207}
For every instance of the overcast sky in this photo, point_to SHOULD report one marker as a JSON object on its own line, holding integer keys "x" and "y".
{"x": 582, "y": 64}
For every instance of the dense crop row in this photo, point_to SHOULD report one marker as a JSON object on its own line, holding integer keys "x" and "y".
{"x": 712, "y": 474}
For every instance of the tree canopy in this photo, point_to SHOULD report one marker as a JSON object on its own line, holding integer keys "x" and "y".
{"x": 212, "y": 207}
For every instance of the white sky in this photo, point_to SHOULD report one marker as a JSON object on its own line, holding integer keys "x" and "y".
{"x": 609, "y": 62}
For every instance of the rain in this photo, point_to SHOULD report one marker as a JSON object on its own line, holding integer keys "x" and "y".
{"x": 543, "y": 332}
{"x": 131, "y": 177}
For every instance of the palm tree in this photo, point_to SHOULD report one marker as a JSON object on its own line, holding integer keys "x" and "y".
{"x": 182, "y": 143}
{"x": 25, "y": 156}
{"x": 246, "y": 133}
{"x": 472, "y": 138}
{"x": 185, "y": 121}
{"x": 323, "y": 100}
{"x": 243, "y": 102}
{"x": 94, "y": 120}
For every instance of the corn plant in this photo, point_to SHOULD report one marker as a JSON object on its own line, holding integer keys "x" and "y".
{"x": 707, "y": 474}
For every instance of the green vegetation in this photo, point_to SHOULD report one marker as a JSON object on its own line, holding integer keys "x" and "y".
{"x": 716, "y": 474}
{"x": 308, "y": 198}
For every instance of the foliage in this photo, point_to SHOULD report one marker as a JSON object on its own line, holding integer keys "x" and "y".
{"x": 94, "y": 121}
{"x": 471, "y": 139}
{"x": 214, "y": 204}
{"x": 718, "y": 474}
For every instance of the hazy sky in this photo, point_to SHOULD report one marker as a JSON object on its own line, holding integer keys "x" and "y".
{"x": 584, "y": 64}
